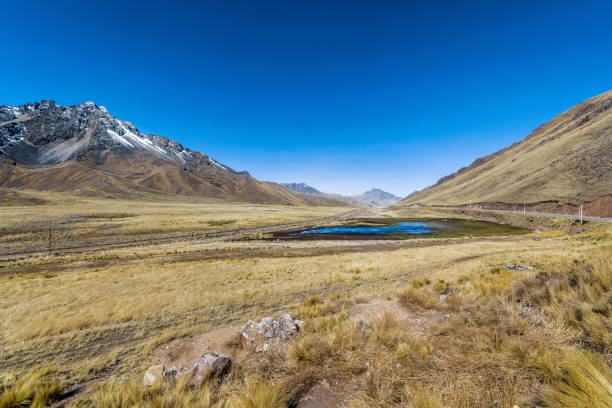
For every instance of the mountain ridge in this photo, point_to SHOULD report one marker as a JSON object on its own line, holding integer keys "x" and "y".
{"x": 374, "y": 197}
{"x": 84, "y": 149}
{"x": 564, "y": 162}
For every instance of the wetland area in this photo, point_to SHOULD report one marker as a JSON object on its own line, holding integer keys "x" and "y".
{"x": 400, "y": 228}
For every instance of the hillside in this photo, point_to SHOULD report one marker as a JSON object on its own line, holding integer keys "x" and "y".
{"x": 84, "y": 150}
{"x": 371, "y": 198}
{"x": 561, "y": 164}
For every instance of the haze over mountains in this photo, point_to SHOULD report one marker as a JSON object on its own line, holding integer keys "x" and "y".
{"x": 563, "y": 163}
{"x": 83, "y": 149}
{"x": 371, "y": 198}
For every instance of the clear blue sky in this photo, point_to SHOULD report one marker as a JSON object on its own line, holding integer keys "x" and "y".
{"x": 341, "y": 95}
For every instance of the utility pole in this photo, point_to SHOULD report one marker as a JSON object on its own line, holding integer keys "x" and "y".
{"x": 580, "y": 213}
{"x": 50, "y": 237}
{"x": 523, "y": 209}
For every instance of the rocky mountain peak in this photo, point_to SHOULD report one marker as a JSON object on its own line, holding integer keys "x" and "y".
{"x": 44, "y": 133}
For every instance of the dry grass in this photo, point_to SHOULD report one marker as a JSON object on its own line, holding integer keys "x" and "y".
{"x": 508, "y": 336}
{"x": 79, "y": 221}
{"x": 35, "y": 389}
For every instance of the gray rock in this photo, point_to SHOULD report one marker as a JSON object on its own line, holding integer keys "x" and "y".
{"x": 269, "y": 333}
{"x": 206, "y": 367}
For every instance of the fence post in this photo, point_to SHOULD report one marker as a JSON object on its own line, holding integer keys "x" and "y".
{"x": 50, "y": 223}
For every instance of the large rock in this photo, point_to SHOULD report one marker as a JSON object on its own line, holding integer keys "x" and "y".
{"x": 207, "y": 367}
{"x": 153, "y": 374}
{"x": 269, "y": 333}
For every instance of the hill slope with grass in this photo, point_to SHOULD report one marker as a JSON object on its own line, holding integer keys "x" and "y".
{"x": 85, "y": 150}
{"x": 563, "y": 163}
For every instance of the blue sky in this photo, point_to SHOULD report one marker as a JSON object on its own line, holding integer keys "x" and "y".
{"x": 342, "y": 95}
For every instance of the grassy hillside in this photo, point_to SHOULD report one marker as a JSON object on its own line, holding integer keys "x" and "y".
{"x": 567, "y": 160}
{"x": 139, "y": 176}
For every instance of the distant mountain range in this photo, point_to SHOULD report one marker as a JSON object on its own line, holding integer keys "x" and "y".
{"x": 562, "y": 164}
{"x": 85, "y": 150}
{"x": 372, "y": 198}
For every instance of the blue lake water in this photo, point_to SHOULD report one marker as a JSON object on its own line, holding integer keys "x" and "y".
{"x": 416, "y": 228}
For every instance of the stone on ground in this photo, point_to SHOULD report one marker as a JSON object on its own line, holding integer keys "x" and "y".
{"x": 270, "y": 333}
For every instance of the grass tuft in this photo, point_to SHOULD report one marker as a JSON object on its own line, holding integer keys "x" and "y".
{"x": 260, "y": 395}
{"x": 35, "y": 389}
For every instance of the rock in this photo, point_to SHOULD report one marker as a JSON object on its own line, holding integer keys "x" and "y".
{"x": 153, "y": 374}
{"x": 206, "y": 367}
{"x": 269, "y": 333}
{"x": 518, "y": 267}
{"x": 442, "y": 298}
{"x": 468, "y": 284}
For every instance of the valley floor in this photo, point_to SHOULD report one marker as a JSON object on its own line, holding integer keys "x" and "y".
{"x": 377, "y": 333}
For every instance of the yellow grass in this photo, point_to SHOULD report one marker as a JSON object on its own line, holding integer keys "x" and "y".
{"x": 100, "y": 316}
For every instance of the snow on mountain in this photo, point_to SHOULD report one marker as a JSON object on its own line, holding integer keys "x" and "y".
{"x": 45, "y": 133}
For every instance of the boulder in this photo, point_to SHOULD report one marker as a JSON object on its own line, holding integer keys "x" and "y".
{"x": 270, "y": 333}
{"x": 207, "y": 367}
{"x": 153, "y": 374}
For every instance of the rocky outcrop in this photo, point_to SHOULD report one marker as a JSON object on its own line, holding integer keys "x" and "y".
{"x": 269, "y": 333}
{"x": 196, "y": 361}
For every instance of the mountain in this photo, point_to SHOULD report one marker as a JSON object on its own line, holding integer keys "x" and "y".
{"x": 563, "y": 163}
{"x": 301, "y": 188}
{"x": 372, "y": 198}
{"x": 377, "y": 198}
{"x": 85, "y": 150}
